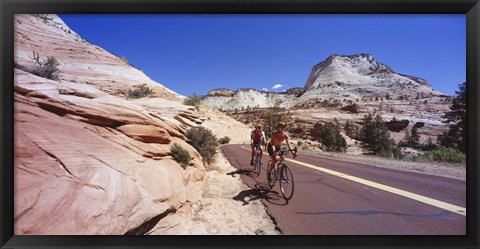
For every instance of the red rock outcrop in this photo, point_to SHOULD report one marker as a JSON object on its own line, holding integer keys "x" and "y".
{"x": 87, "y": 159}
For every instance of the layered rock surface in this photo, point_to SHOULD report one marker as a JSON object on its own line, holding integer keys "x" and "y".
{"x": 88, "y": 160}
{"x": 341, "y": 81}
{"x": 353, "y": 77}
{"x": 225, "y": 99}
{"x": 359, "y": 76}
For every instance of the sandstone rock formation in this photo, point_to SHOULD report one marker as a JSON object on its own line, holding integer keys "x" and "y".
{"x": 246, "y": 98}
{"x": 359, "y": 76}
{"x": 89, "y": 160}
{"x": 346, "y": 88}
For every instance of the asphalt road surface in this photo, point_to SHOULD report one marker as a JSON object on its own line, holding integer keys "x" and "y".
{"x": 343, "y": 198}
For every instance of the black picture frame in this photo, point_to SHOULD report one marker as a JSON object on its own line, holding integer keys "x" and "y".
{"x": 471, "y": 8}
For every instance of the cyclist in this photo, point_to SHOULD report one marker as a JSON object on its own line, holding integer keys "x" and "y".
{"x": 257, "y": 137}
{"x": 274, "y": 144}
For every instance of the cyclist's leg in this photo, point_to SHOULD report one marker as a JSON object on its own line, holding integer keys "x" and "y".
{"x": 272, "y": 157}
{"x": 261, "y": 153}
{"x": 253, "y": 153}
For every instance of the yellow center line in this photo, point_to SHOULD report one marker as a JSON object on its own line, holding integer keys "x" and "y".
{"x": 410, "y": 195}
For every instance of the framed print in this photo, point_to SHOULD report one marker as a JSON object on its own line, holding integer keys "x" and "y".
{"x": 287, "y": 124}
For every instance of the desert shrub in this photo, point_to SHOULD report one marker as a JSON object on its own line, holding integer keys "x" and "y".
{"x": 224, "y": 140}
{"x": 421, "y": 158}
{"x": 331, "y": 138}
{"x": 398, "y": 154}
{"x": 444, "y": 154}
{"x": 352, "y": 130}
{"x": 180, "y": 155}
{"x": 304, "y": 147}
{"x": 45, "y": 68}
{"x": 429, "y": 145}
{"x": 193, "y": 100}
{"x": 140, "y": 92}
{"x": 204, "y": 142}
{"x": 374, "y": 133}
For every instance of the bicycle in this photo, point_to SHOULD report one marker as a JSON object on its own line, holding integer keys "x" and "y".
{"x": 257, "y": 164}
{"x": 286, "y": 176}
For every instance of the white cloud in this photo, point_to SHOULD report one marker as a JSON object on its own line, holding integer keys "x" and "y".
{"x": 277, "y": 86}
{"x": 265, "y": 89}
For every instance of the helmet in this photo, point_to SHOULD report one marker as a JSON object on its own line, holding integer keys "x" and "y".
{"x": 281, "y": 124}
{"x": 258, "y": 126}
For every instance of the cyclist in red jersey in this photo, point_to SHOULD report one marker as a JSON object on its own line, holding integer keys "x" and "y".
{"x": 257, "y": 136}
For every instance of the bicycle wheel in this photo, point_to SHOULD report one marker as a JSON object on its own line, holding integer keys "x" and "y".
{"x": 286, "y": 182}
{"x": 273, "y": 176}
{"x": 258, "y": 166}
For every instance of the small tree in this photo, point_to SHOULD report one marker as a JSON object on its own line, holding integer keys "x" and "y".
{"x": 203, "y": 140}
{"x": 414, "y": 137}
{"x": 375, "y": 135}
{"x": 45, "y": 68}
{"x": 429, "y": 145}
{"x": 406, "y": 139}
{"x": 351, "y": 130}
{"x": 193, "y": 100}
{"x": 332, "y": 138}
{"x": 455, "y": 137}
{"x": 272, "y": 117}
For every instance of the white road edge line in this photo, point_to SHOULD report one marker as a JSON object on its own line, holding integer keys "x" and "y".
{"x": 433, "y": 202}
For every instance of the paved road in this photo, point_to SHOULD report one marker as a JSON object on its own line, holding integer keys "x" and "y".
{"x": 342, "y": 198}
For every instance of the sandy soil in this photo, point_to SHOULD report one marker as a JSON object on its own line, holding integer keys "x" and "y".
{"x": 218, "y": 213}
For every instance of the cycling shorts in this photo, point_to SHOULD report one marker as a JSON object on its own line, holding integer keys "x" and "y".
{"x": 270, "y": 149}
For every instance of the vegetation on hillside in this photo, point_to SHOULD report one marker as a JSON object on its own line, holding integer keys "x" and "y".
{"x": 140, "y": 91}
{"x": 180, "y": 155}
{"x": 193, "y": 100}
{"x": 46, "y": 68}
{"x": 203, "y": 140}
{"x": 456, "y": 118}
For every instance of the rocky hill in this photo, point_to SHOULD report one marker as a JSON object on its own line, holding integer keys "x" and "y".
{"x": 360, "y": 76}
{"x": 246, "y": 98}
{"x": 89, "y": 157}
{"x": 350, "y": 78}
{"x": 346, "y": 88}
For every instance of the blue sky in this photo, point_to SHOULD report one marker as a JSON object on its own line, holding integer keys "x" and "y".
{"x": 197, "y": 53}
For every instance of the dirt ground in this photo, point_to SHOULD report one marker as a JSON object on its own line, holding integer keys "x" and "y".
{"x": 220, "y": 211}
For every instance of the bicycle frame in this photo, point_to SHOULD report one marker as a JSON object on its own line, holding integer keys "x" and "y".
{"x": 282, "y": 173}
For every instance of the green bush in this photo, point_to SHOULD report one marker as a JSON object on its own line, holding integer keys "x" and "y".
{"x": 45, "y": 68}
{"x": 398, "y": 154}
{"x": 193, "y": 100}
{"x": 444, "y": 154}
{"x": 304, "y": 147}
{"x": 180, "y": 155}
{"x": 204, "y": 142}
{"x": 374, "y": 133}
{"x": 421, "y": 158}
{"x": 331, "y": 138}
{"x": 224, "y": 140}
{"x": 140, "y": 92}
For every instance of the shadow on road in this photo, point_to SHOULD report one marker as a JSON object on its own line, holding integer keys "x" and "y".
{"x": 240, "y": 172}
{"x": 261, "y": 191}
